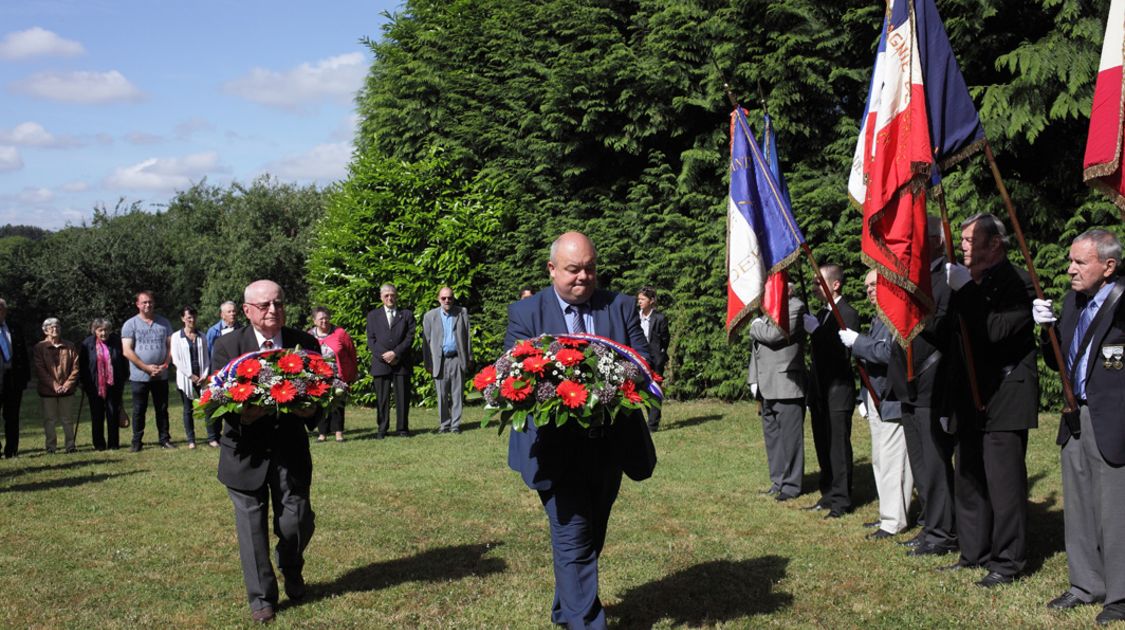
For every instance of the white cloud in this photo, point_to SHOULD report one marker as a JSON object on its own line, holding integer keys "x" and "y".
{"x": 143, "y": 138}
{"x": 10, "y": 159}
{"x": 346, "y": 130}
{"x": 164, "y": 174}
{"x": 79, "y": 87}
{"x": 32, "y": 134}
{"x": 75, "y": 186}
{"x": 324, "y": 163}
{"x": 37, "y": 42}
{"x": 36, "y": 195}
{"x": 336, "y": 78}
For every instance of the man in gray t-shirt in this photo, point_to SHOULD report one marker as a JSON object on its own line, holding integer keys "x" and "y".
{"x": 147, "y": 342}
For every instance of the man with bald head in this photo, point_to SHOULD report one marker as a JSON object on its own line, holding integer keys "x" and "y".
{"x": 264, "y": 457}
{"x": 576, "y": 471}
{"x": 448, "y": 354}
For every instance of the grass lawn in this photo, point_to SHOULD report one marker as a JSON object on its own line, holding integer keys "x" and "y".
{"x": 435, "y": 531}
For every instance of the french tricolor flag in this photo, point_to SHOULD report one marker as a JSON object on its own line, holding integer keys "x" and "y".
{"x": 762, "y": 237}
{"x": 1102, "y": 164}
{"x": 890, "y": 170}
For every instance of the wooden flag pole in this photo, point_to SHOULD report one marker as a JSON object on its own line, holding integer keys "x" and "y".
{"x": 816, "y": 267}
{"x": 966, "y": 343}
{"x": 1070, "y": 404}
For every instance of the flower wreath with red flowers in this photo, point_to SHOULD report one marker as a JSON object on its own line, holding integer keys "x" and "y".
{"x": 285, "y": 380}
{"x": 553, "y": 379}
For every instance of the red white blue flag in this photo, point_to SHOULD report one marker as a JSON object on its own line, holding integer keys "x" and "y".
{"x": 1102, "y": 164}
{"x": 762, "y": 236}
{"x": 889, "y": 174}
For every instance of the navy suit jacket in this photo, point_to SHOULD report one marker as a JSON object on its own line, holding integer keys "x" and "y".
{"x": 1105, "y": 387}
{"x": 399, "y": 337}
{"x": 247, "y": 450}
{"x": 540, "y": 455}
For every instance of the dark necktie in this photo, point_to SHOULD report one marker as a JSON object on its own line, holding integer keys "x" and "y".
{"x": 267, "y": 344}
{"x": 578, "y": 325}
{"x": 1084, "y": 318}
{"x": 5, "y": 348}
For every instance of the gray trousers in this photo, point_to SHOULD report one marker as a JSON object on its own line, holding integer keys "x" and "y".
{"x": 450, "y": 390}
{"x": 293, "y": 523}
{"x": 783, "y": 429}
{"x": 1095, "y": 539}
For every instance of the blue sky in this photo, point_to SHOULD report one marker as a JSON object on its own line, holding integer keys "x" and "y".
{"x": 135, "y": 99}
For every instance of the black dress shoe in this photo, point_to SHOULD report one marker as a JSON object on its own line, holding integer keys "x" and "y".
{"x": 957, "y": 566}
{"x": 295, "y": 587}
{"x": 402, "y": 433}
{"x": 262, "y": 615}
{"x": 872, "y": 524}
{"x": 379, "y": 436}
{"x": 1110, "y": 614}
{"x": 995, "y": 579}
{"x": 930, "y": 549}
{"x": 1066, "y": 601}
{"x": 913, "y": 542}
{"x": 879, "y": 534}
{"x": 769, "y": 491}
{"x": 835, "y": 513}
{"x": 815, "y": 507}
{"x": 782, "y": 497}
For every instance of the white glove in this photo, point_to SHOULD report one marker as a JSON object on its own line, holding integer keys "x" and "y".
{"x": 753, "y": 390}
{"x": 862, "y": 408}
{"x": 848, "y": 337}
{"x": 755, "y": 321}
{"x": 957, "y": 276}
{"x": 1041, "y": 312}
{"x": 810, "y": 322}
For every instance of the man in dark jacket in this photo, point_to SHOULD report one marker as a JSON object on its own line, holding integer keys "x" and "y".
{"x": 264, "y": 456}
{"x": 390, "y": 333}
{"x": 990, "y": 486}
{"x": 16, "y": 369}
{"x": 655, "y": 326}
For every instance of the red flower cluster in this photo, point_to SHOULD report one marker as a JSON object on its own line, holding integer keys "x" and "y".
{"x": 285, "y": 380}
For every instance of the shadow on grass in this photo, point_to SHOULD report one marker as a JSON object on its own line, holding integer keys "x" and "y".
{"x": 863, "y": 485}
{"x": 78, "y": 463}
{"x": 1044, "y": 532}
{"x": 433, "y": 565}
{"x": 690, "y": 422}
{"x": 67, "y": 482}
{"x": 705, "y": 594}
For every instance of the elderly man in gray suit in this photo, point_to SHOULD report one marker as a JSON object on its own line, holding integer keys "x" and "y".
{"x": 777, "y": 375}
{"x": 448, "y": 357}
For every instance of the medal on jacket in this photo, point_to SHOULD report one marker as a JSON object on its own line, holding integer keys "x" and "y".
{"x": 1112, "y": 355}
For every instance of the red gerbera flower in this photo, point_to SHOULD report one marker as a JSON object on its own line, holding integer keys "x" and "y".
{"x": 241, "y": 392}
{"x": 317, "y": 389}
{"x": 284, "y": 391}
{"x": 569, "y": 357}
{"x": 525, "y": 349}
{"x": 658, "y": 378}
{"x": 249, "y": 369}
{"x": 515, "y": 389}
{"x": 291, "y": 363}
{"x": 629, "y": 391}
{"x": 573, "y": 343}
{"x": 320, "y": 367}
{"x": 572, "y": 394}
{"x": 535, "y": 364}
{"x": 206, "y": 397}
{"x": 484, "y": 378}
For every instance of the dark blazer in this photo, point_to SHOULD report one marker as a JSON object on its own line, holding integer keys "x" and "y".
{"x": 1105, "y": 387}
{"x": 658, "y": 340}
{"x": 931, "y": 364}
{"x": 997, "y": 313}
{"x": 19, "y": 374}
{"x": 874, "y": 348}
{"x": 247, "y": 450}
{"x": 833, "y": 377}
{"x": 88, "y": 363}
{"x": 399, "y": 336}
{"x": 540, "y": 455}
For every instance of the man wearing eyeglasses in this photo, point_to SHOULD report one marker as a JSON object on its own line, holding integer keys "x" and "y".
{"x": 264, "y": 456}
{"x": 390, "y": 333}
{"x": 146, "y": 341}
{"x": 448, "y": 355}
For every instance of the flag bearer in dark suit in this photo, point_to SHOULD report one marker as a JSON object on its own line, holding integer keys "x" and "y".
{"x": 390, "y": 333}
{"x": 655, "y": 326}
{"x": 990, "y": 483}
{"x": 577, "y": 471}
{"x": 264, "y": 458}
{"x": 1093, "y": 448}
{"x": 832, "y": 396}
{"x": 16, "y": 368}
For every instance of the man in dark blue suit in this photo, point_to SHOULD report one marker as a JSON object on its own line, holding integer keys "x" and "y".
{"x": 577, "y": 471}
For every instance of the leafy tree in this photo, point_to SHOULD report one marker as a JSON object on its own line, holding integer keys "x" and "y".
{"x": 418, "y": 225}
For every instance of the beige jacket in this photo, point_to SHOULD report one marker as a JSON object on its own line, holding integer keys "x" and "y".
{"x": 56, "y": 365}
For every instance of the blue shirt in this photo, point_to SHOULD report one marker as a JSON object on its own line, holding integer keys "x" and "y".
{"x": 448, "y": 343}
{"x": 1084, "y": 355}
{"x": 570, "y": 313}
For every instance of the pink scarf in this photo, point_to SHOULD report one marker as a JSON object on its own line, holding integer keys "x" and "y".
{"x": 105, "y": 371}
